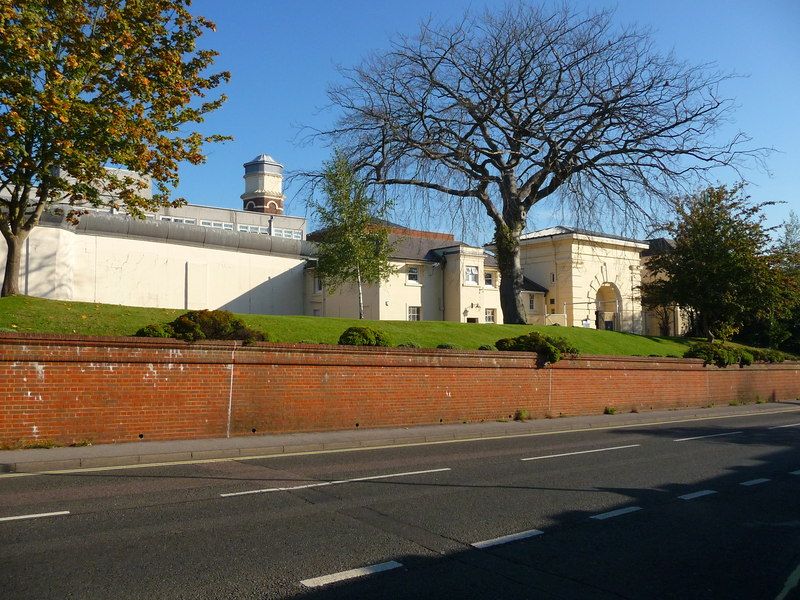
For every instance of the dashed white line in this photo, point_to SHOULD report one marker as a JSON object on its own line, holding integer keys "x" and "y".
{"x": 35, "y": 516}
{"x": 506, "y": 539}
{"x": 699, "y": 494}
{"x": 754, "y": 482}
{"x": 702, "y": 437}
{"x": 581, "y": 452}
{"x": 337, "y": 482}
{"x": 616, "y": 513}
{"x": 795, "y": 473}
{"x": 351, "y": 574}
{"x": 789, "y": 425}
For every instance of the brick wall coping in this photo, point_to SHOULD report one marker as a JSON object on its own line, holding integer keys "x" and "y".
{"x": 17, "y": 346}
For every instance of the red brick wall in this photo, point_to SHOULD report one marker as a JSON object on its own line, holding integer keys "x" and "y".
{"x": 114, "y": 389}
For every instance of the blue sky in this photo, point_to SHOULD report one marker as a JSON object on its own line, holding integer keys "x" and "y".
{"x": 283, "y": 54}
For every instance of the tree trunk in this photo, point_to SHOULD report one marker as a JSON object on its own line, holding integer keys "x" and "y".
{"x": 360, "y": 296}
{"x": 507, "y": 244}
{"x": 13, "y": 260}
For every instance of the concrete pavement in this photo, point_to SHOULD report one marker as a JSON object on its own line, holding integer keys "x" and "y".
{"x": 259, "y": 446}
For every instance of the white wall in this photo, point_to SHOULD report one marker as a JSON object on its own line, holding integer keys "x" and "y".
{"x": 65, "y": 265}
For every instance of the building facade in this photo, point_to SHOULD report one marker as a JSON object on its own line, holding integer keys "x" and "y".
{"x": 258, "y": 260}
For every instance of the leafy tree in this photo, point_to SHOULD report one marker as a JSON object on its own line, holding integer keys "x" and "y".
{"x": 658, "y": 301}
{"x": 720, "y": 266}
{"x": 353, "y": 246}
{"x": 89, "y": 83}
{"x": 781, "y": 329}
{"x": 509, "y": 108}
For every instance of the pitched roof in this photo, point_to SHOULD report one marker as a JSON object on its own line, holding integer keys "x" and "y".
{"x": 561, "y": 230}
{"x": 529, "y": 285}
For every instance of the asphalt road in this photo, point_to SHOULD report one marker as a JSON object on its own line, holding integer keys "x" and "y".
{"x": 638, "y": 512}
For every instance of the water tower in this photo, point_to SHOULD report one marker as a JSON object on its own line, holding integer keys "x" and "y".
{"x": 263, "y": 185}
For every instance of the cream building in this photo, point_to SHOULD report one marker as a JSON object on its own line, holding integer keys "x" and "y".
{"x": 435, "y": 278}
{"x": 257, "y": 260}
{"x": 591, "y": 279}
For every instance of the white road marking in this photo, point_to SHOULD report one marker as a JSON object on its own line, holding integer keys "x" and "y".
{"x": 581, "y": 452}
{"x": 388, "y": 445}
{"x": 616, "y": 513}
{"x": 327, "y": 483}
{"x": 35, "y": 516}
{"x": 795, "y": 473}
{"x": 506, "y": 539}
{"x": 352, "y": 573}
{"x": 754, "y": 482}
{"x": 789, "y": 425}
{"x": 702, "y": 437}
{"x": 699, "y": 494}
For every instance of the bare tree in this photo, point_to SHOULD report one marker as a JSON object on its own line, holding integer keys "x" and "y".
{"x": 507, "y": 109}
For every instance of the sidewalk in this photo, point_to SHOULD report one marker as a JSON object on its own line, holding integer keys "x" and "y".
{"x": 148, "y": 453}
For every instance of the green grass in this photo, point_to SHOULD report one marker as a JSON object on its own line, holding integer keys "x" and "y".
{"x": 36, "y": 315}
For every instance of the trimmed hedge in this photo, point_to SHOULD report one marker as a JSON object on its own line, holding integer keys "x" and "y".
{"x": 198, "y": 325}
{"x": 548, "y": 349}
{"x": 719, "y": 354}
{"x": 722, "y": 356}
{"x": 363, "y": 336}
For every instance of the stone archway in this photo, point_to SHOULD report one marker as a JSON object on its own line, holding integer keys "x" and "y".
{"x": 608, "y": 302}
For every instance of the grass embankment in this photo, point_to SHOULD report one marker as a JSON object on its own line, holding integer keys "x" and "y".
{"x": 36, "y": 315}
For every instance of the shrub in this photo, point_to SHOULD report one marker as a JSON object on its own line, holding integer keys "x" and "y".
{"x": 408, "y": 345}
{"x": 447, "y": 346}
{"x": 548, "y": 349}
{"x": 609, "y": 410}
{"x": 522, "y": 414}
{"x": 363, "y": 336}
{"x": 767, "y": 355}
{"x": 719, "y": 354}
{"x": 205, "y": 325}
{"x": 486, "y": 347}
{"x": 156, "y": 330}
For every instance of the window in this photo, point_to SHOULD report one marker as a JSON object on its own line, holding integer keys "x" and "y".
{"x": 532, "y": 302}
{"x": 491, "y": 315}
{"x": 254, "y": 229}
{"x": 413, "y": 274}
{"x": 414, "y": 313}
{"x": 488, "y": 279}
{"x": 552, "y": 277}
{"x": 317, "y": 312}
{"x": 183, "y": 220}
{"x": 471, "y": 275}
{"x": 217, "y": 225}
{"x": 292, "y": 234}
{"x": 317, "y": 285}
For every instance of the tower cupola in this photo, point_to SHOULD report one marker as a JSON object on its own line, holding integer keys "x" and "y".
{"x": 263, "y": 185}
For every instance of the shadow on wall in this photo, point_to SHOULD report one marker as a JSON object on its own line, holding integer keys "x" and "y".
{"x": 280, "y": 294}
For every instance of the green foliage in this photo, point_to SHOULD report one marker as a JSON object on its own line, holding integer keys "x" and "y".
{"x": 408, "y": 345}
{"x": 522, "y": 414}
{"x": 353, "y": 246}
{"x": 609, "y": 410}
{"x": 720, "y": 266}
{"x": 780, "y": 328}
{"x": 36, "y": 315}
{"x": 718, "y": 354}
{"x": 486, "y": 347}
{"x": 767, "y": 355}
{"x": 363, "y": 336}
{"x": 157, "y": 330}
{"x": 549, "y": 349}
{"x": 85, "y": 84}
{"x": 447, "y": 346}
{"x": 198, "y": 325}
